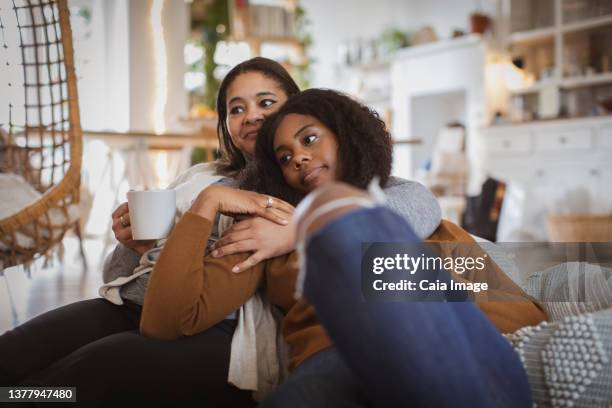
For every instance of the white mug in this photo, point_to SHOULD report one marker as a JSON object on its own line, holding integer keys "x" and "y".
{"x": 151, "y": 213}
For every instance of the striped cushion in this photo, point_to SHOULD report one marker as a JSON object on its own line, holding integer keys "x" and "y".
{"x": 571, "y": 288}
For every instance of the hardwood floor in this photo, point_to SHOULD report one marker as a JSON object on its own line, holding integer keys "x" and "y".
{"x": 23, "y": 297}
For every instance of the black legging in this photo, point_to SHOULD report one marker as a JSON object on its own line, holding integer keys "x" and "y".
{"x": 95, "y": 346}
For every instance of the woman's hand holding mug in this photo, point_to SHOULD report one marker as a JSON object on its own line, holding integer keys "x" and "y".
{"x": 123, "y": 231}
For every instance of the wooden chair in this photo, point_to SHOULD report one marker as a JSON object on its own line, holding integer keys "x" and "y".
{"x": 45, "y": 148}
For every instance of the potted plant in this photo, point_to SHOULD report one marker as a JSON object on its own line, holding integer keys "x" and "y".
{"x": 393, "y": 39}
{"x": 479, "y": 22}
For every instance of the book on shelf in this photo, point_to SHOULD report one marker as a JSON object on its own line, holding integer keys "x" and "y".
{"x": 270, "y": 22}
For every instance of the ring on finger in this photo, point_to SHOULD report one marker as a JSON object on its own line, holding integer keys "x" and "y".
{"x": 123, "y": 221}
{"x": 269, "y": 202}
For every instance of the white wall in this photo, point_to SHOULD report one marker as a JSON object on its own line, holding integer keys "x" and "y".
{"x": 175, "y": 20}
{"x": 440, "y": 110}
{"x": 436, "y": 69}
{"x": 114, "y": 64}
{"x": 102, "y": 63}
{"x": 340, "y": 20}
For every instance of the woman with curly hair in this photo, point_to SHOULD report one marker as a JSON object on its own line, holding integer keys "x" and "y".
{"x": 316, "y": 137}
{"x": 363, "y": 147}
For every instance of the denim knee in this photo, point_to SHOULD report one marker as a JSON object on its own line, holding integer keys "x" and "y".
{"x": 322, "y": 380}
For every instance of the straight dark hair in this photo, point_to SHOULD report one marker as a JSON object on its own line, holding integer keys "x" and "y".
{"x": 232, "y": 160}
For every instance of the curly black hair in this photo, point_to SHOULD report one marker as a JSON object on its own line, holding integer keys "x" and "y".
{"x": 364, "y": 146}
{"x": 232, "y": 161}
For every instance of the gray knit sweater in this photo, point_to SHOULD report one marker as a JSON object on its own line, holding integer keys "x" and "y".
{"x": 408, "y": 198}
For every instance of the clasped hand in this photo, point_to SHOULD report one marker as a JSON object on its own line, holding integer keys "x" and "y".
{"x": 263, "y": 227}
{"x": 233, "y": 202}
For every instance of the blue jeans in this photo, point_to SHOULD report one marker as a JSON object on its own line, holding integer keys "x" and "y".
{"x": 323, "y": 380}
{"x": 430, "y": 354}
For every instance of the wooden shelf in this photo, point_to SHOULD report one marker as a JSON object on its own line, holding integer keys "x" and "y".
{"x": 377, "y": 65}
{"x": 293, "y": 41}
{"x": 550, "y": 47}
{"x": 532, "y": 35}
{"x": 587, "y": 24}
{"x": 267, "y": 39}
{"x": 545, "y": 33}
{"x": 539, "y": 34}
{"x": 536, "y": 87}
{"x": 280, "y": 40}
{"x": 584, "y": 81}
{"x": 408, "y": 142}
{"x": 255, "y": 42}
{"x": 167, "y": 141}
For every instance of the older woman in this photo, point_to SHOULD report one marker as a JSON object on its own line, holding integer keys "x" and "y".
{"x": 96, "y": 345}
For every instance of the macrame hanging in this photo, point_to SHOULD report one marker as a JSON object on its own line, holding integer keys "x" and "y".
{"x": 40, "y": 131}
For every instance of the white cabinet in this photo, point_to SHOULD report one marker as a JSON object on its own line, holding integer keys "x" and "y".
{"x": 605, "y": 181}
{"x": 552, "y": 167}
{"x": 509, "y": 144}
{"x": 604, "y": 137}
{"x": 560, "y": 140}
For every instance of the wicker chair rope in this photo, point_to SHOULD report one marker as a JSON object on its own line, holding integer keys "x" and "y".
{"x": 65, "y": 133}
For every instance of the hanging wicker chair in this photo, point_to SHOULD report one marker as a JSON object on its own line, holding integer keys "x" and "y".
{"x": 44, "y": 145}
